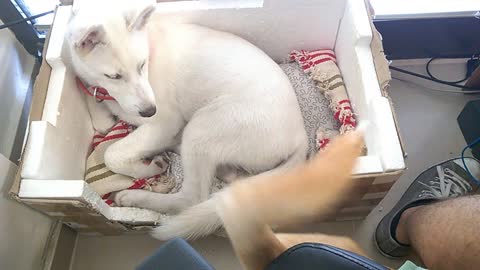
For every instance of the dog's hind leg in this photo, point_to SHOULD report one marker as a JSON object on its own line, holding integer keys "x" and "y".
{"x": 127, "y": 155}
{"x": 199, "y": 172}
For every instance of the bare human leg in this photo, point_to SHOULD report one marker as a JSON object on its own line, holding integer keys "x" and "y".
{"x": 444, "y": 234}
{"x": 436, "y": 218}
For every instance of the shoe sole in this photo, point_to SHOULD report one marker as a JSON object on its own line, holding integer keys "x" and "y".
{"x": 381, "y": 251}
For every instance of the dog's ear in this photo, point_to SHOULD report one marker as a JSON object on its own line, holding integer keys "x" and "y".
{"x": 88, "y": 38}
{"x": 138, "y": 20}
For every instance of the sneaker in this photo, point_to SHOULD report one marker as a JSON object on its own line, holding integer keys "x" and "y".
{"x": 445, "y": 180}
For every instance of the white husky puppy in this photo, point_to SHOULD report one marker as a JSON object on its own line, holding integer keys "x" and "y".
{"x": 219, "y": 99}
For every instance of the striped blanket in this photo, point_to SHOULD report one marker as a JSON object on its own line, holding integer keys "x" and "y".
{"x": 105, "y": 182}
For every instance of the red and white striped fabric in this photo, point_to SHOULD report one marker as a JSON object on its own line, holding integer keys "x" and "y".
{"x": 105, "y": 182}
{"x": 344, "y": 114}
{"x": 120, "y": 130}
{"x": 142, "y": 183}
{"x": 309, "y": 59}
{"x": 322, "y": 65}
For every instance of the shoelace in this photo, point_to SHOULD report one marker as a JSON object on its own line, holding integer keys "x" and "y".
{"x": 446, "y": 184}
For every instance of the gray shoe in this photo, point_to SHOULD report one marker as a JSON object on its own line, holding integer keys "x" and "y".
{"x": 445, "y": 180}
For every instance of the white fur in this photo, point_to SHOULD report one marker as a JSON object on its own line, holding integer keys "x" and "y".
{"x": 222, "y": 98}
{"x": 195, "y": 222}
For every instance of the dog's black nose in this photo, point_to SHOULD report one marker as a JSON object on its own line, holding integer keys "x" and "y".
{"x": 149, "y": 112}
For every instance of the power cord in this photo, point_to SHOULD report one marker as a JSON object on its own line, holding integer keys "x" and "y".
{"x": 472, "y": 144}
{"x": 7, "y": 25}
{"x": 460, "y": 92}
{"x": 427, "y": 68}
{"x": 472, "y": 64}
{"x": 435, "y": 80}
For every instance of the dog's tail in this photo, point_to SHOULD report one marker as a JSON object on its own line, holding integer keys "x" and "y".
{"x": 202, "y": 219}
{"x": 194, "y": 222}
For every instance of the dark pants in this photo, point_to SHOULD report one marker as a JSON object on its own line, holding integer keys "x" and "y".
{"x": 177, "y": 254}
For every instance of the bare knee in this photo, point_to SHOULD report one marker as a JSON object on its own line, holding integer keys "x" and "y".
{"x": 443, "y": 233}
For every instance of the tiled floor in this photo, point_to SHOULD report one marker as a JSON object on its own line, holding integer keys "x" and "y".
{"x": 430, "y": 133}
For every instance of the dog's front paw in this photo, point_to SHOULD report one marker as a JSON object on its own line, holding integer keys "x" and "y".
{"x": 158, "y": 165}
{"x": 130, "y": 198}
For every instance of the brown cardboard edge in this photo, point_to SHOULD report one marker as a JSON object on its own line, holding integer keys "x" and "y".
{"x": 375, "y": 175}
{"x": 36, "y": 109}
{"x": 382, "y": 69}
{"x": 38, "y": 204}
{"x": 379, "y": 59}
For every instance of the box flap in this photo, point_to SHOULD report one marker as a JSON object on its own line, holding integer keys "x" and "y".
{"x": 382, "y": 68}
{"x": 379, "y": 59}
{"x": 36, "y": 108}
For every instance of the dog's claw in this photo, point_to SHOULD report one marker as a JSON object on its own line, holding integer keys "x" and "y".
{"x": 161, "y": 163}
{"x": 150, "y": 167}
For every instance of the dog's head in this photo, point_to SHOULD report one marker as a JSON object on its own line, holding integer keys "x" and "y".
{"x": 109, "y": 48}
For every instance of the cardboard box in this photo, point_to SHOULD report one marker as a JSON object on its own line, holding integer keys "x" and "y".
{"x": 60, "y": 132}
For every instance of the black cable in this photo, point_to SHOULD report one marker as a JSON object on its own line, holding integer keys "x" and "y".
{"x": 433, "y": 79}
{"x": 427, "y": 68}
{"x": 25, "y": 19}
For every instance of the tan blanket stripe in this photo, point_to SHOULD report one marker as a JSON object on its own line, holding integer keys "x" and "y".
{"x": 100, "y": 176}
{"x": 95, "y": 168}
{"x": 336, "y": 85}
{"x": 338, "y": 76}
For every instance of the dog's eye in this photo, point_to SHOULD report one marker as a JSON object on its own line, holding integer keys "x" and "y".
{"x": 113, "y": 77}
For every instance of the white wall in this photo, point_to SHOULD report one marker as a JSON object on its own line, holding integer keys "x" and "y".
{"x": 15, "y": 74}
{"x": 424, "y": 8}
{"x": 23, "y": 231}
